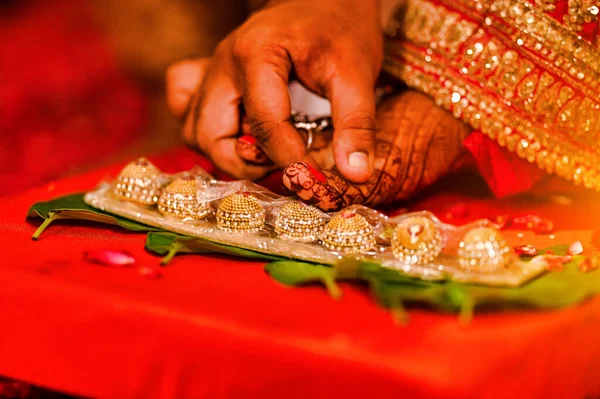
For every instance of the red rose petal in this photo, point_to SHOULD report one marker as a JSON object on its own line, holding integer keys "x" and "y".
{"x": 589, "y": 264}
{"x": 525, "y": 250}
{"x": 150, "y": 272}
{"x": 528, "y": 220}
{"x": 111, "y": 258}
{"x": 533, "y": 222}
{"x": 555, "y": 262}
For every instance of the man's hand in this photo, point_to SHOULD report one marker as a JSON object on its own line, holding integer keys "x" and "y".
{"x": 333, "y": 47}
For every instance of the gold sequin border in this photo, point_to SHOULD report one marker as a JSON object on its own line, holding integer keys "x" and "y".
{"x": 432, "y": 64}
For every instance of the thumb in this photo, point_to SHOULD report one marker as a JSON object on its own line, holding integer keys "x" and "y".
{"x": 353, "y": 112}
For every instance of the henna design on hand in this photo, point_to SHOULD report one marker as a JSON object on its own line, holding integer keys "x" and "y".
{"x": 416, "y": 144}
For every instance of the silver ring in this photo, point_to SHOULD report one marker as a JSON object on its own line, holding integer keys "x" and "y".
{"x": 309, "y": 139}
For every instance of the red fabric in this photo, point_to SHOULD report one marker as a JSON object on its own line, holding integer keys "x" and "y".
{"x": 219, "y": 327}
{"x": 63, "y": 101}
{"x": 504, "y": 172}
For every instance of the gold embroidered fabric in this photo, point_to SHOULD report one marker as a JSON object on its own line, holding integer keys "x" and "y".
{"x": 523, "y": 76}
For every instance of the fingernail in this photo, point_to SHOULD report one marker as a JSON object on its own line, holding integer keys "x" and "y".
{"x": 359, "y": 160}
{"x": 316, "y": 173}
{"x": 250, "y": 140}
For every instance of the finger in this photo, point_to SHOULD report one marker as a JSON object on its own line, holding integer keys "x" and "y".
{"x": 246, "y": 130}
{"x": 325, "y": 189}
{"x": 182, "y": 81}
{"x": 249, "y": 151}
{"x": 214, "y": 113}
{"x": 213, "y": 123}
{"x": 353, "y": 112}
{"x": 227, "y": 160}
{"x": 268, "y": 108}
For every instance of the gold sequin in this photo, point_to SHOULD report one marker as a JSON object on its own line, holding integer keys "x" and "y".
{"x": 138, "y": 182}
{"x": 181, "y": 199}
{"x": 416, "y": 240}
{"x": 581, "y": 12}
{"x": 240, "y": 212}
{"x": 348, "y": 232}
{"x": 299, "y": 222}
{"x": 510, "y": 71}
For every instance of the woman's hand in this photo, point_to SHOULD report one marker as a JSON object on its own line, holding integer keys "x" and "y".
{"x": 416, "y": 144}
{"x": 333, "y": 47}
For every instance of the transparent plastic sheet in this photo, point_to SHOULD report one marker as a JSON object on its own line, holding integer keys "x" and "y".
{"x": 200, "y": 196}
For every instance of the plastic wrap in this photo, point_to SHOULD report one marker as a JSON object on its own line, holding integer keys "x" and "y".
{"x": 246, "y": 215}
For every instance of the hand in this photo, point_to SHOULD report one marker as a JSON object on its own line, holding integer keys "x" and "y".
{"x": 416, "y": 144}
{"x": 333, "y": 47}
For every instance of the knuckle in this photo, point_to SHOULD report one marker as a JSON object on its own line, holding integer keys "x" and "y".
{"x": 253, "y": 41}
{"x": 263, "y": 131}
{"x": 241, "y": 48}
{"x": 360, "y": 121}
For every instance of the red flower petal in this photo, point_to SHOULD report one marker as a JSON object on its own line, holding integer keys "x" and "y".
{"x": 111, "y": 258}
{"x": 533, "y": 222}
{"x": 589, "y": 264}
{"x": 528, "y": 220}
{"x": 526, "y": 250}
{"x": 555, "y": 262}
{"x": 149, "y": 272}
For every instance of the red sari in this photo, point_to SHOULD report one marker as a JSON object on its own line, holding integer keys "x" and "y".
{"x": 524, "y": 74}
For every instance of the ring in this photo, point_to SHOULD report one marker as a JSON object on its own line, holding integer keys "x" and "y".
{"x": 416, "y": 241}
{"x": 299, "y": 222}
{"x": 138, "y": 182}
{"x": 348, "y": 232}
{"x": 309, "y": 139}
{"x": 483, "y": 249}
{"x": 180, "y": 199}
{"x": 240, "y": 212}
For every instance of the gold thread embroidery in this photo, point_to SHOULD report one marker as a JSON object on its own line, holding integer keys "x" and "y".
{"x": 546, "y": 5}
{"x": 581, "y": 12}
{"x": 498, "y": 72}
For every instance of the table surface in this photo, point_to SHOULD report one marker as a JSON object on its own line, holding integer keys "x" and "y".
{"x": 216, "y": 326}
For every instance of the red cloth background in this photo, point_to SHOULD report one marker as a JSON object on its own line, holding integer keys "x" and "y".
{"x": 219, "y": 327}
{"x": 216, "y": 326}
{"x": 64, "y": 103}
